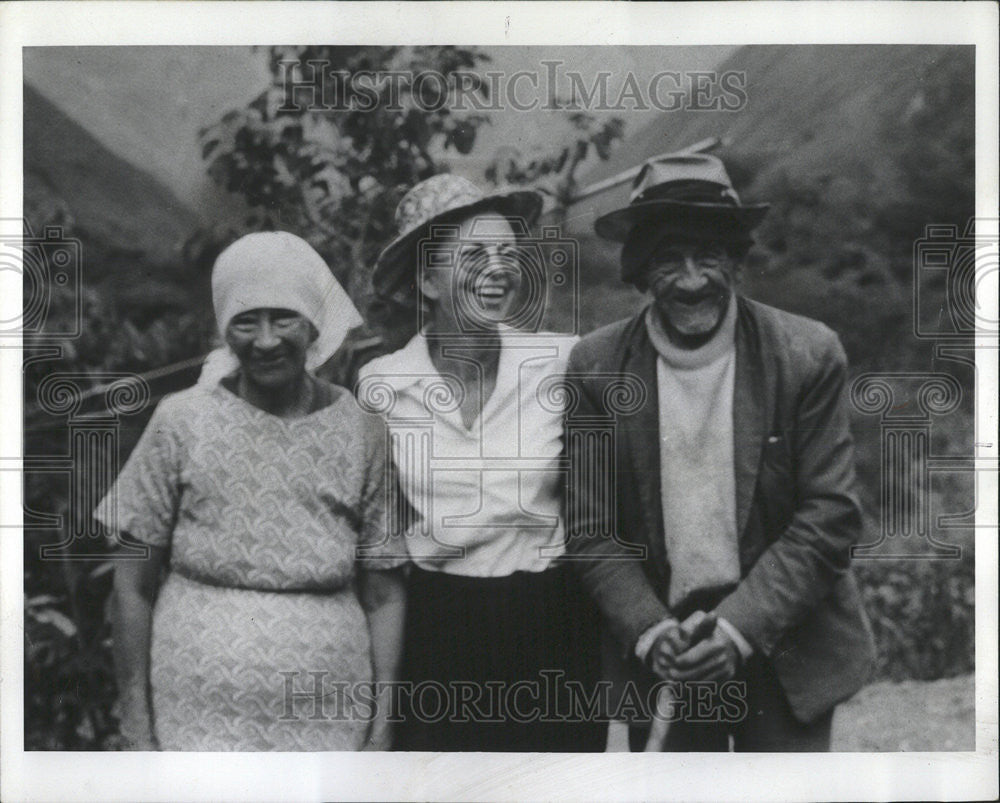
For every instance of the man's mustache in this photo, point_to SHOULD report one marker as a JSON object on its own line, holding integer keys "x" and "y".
{"x": 708, "y": 291}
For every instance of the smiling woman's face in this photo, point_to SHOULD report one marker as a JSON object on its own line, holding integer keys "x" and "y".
{"x": 270, "y": 344}
{"x": 476, "y": 286}
{"x": 691, "y": 284}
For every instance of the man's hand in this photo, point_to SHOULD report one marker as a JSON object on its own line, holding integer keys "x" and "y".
{"x": 670, "y": 643}
{"x": 675, "y": 640}
{"x": 714, "y": 658}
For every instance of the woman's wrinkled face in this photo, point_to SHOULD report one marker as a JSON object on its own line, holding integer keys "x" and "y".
{"x": 474, "y": 275}
{"x": 271, "y": 344}
{"x": 691, "y": 284}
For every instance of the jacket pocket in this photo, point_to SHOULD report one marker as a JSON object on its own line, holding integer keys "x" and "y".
{"x": 776, "y": 485}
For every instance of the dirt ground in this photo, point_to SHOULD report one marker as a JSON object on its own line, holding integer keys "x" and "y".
{"x": 909, "y": 716}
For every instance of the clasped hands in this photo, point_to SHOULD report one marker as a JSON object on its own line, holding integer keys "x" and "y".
{"x": 695, "y": 649}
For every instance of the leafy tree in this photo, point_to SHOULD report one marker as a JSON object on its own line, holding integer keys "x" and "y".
{"x": 314, "y": 155}
{"x": 554, "y": 171}
{"x": 325, "y": 165}
{"x": 69, "y": 686}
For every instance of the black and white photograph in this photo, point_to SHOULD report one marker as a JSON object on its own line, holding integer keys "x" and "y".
{"x": 427, "y": 408}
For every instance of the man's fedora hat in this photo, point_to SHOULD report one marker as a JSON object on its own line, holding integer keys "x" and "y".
{"x": 687, "y": 194}
{"x": 440, "y": 199}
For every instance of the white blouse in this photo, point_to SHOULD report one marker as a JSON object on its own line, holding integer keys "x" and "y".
{"x": 488, "y": 496}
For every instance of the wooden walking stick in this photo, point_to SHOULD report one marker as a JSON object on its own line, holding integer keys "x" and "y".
{"x": 660, "y": 726}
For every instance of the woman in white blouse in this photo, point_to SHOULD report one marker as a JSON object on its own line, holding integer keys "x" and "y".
{"x": 497, "y": 628}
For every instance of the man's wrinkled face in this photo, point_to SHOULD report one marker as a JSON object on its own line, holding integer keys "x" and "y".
{"x": 691, "y": 284}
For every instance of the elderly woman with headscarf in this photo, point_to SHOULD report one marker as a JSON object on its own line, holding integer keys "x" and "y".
{"x": 497, "y": 632}
{"x": 261, "y": 492}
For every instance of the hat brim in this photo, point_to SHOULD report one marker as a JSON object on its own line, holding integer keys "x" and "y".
{"x": 726, "y": 221}
{"x": 394, "y": 267}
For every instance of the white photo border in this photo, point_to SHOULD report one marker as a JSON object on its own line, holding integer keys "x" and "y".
{"x": 421, "y": 776}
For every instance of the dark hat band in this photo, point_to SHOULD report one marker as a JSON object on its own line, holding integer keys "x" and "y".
{"x": 692, "y": 191}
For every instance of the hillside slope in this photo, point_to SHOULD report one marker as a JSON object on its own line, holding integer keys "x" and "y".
{"x": 131, "y": 227}
{"x": 809, "y": 107}
{"x": 857, "y": 149}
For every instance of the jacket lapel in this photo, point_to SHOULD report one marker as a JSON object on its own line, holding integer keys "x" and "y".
{"x": 753, "y": 408}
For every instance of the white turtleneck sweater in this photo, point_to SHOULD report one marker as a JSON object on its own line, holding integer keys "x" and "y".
{"x": 697, "y": 471}
{"x": 697, "y": 480}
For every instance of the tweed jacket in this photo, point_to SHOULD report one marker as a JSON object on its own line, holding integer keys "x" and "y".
{"x": 797, "y": 509}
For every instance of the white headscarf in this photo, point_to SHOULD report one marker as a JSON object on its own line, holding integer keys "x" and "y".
{"x": 278, "y": 270}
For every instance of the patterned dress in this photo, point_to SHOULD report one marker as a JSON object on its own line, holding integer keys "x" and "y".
{"x": 257, "y": 632}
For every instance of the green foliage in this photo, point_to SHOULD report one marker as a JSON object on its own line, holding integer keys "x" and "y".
{"x": 838, "y": 242}
{"x": 334, "y": 175}
{"x": 838, "y": 245}
{"x": 922, "y": 612}
{"x": 554, "y": 170}
{"x": 69, "y": 679}
{"x": 69, "y": 687}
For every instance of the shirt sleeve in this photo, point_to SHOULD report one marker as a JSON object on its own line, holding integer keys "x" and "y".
{"x": 744, "y": 646}
{"x": 646, "y": 640}
{"x": 143, "y": 500}
{"x": 382, "y": 542}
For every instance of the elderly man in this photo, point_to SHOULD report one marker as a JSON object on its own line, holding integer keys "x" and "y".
{"x": 718, "y": 549}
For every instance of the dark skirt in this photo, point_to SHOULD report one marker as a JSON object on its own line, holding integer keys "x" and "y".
{"x": 487, "y": 661}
